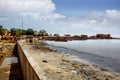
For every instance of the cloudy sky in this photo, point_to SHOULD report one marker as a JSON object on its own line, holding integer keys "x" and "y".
{"x": 63, "y": 16}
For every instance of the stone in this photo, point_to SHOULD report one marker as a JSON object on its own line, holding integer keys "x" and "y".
{"x": 44, "y": 61}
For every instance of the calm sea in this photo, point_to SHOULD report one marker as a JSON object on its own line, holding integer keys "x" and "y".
{"x": 104, "y": 53}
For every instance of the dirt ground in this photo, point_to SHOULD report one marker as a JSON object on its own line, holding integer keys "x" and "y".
{"x": 6, "y": 49}
{"x": 12, "y": 71}
{"x": 59, "y": 66}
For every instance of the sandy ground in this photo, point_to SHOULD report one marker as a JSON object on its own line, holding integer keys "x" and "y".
{"x": 6, "y": 50}
{"x": 9, "y": 70}
{"x": 59, "y": 66}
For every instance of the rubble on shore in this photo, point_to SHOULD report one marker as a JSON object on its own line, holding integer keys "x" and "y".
{"x": 59, "y": 66}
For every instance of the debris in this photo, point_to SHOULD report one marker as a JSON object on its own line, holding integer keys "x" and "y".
{"x": 74, "y": 71}
{"x": 44, "y": 61}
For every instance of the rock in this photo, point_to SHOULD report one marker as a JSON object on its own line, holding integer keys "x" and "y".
{"x": 84, "y": 68}
{"x": 58, "y": 72}
{"x": 44, "y": 61}
{"x": 65, "y": 60}
{"x": 74, "y": 71}
{"x": 86, "y": 77}
{"x": 103, "y": 69}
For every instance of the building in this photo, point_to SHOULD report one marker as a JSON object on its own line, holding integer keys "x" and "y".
{"x": 67, "y": 37}
{"x": 84, "y": 36}
{"x": 92, "y": 37}
{"x": 76, "y": 37}
{"x": 107, "y": 36}
{"x": 99, "y": 36}
{"x": 56, "y": 35}
{"x": 103, "y": 36}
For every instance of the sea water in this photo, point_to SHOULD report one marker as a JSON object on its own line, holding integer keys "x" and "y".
{"x": 104, "y": 53}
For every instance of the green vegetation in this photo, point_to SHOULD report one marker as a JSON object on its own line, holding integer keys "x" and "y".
{"x": 18, "y": 32}
{"x": 29, "y": 31}
{"x": 5, "y": 31}
{"x": 43, "y": 33}
{"x": 1, "y": 30}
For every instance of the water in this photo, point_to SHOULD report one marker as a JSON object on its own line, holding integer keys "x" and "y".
{"x": 104, "y": 53}
{"x": 8, "y": 61}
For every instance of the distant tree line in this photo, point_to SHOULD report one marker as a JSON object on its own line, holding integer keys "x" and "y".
{"x": 18, "y": 32}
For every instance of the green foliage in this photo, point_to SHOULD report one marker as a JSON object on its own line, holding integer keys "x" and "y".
{"x": 5, "y": 32}
{"x": 15, "y": 32}
{"x": 35, "y": 33}
{"x": 29, "y": 31}
{"x": 1, "y": 29}
{"x": 23, "y": 32}
{"x": 18, "y": 32}
{"x": 43, "y": 33}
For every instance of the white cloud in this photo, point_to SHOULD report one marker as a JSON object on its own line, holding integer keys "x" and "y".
{"x": 30, "y": 14}
{"x": 38, "y": 9}
{"x": 113, "y": 17}
{"x": 53, "y": 16}
{"x": 3, "y": 17}
{"x": 50, "y": 16}
{"x": 107, "y": 18}
{"x": 114, "y": 14}
{"x": 44, "y": 9}
{"x": 42, "y": 6}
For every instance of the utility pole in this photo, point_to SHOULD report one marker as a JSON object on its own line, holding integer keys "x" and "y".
{"x": 22, "y": 31}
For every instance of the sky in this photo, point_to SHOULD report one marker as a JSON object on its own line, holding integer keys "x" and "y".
{"x": 74, "y": 17}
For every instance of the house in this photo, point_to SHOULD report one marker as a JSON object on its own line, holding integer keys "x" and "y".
{"x": 107, "y": 36}
{"x": 84, "y": 36}
{"x": 67, "y": 37}
{"x": 99, "y": 36}
{"x": 76, "y": 37}
{"x": 103, "y": 36}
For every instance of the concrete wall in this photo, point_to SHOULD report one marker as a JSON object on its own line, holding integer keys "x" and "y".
{"x": 30, "y": 69}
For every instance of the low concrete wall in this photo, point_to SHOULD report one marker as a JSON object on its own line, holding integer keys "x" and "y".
{"x": 30, "y": 70}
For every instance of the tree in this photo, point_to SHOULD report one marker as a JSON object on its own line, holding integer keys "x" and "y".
{"x": 13, "y": 31}
{"x": 1, "y": 29}
{"x": 35, "y": 33}
{"x": 18, "y": 32}
{"x": 23, "y": 32}
{"x": 29, "y": 31}
{"x": 43, "y": 33}
{"x": 5, "y": 32}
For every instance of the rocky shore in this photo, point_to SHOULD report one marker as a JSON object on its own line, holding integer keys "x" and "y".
{"x": 60, "y": 66}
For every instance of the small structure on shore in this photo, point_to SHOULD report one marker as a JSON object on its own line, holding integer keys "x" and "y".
{"x": 84, "y": 37}
{"x": 103, "y": 36}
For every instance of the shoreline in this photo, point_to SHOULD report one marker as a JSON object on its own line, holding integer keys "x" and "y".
{"x": 102, "y": 58}
{"x": 82, "y": 59}
{"x": 58, "y": 65}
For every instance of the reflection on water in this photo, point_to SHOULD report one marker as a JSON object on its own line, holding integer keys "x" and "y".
{"x": 9, "y": 61}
